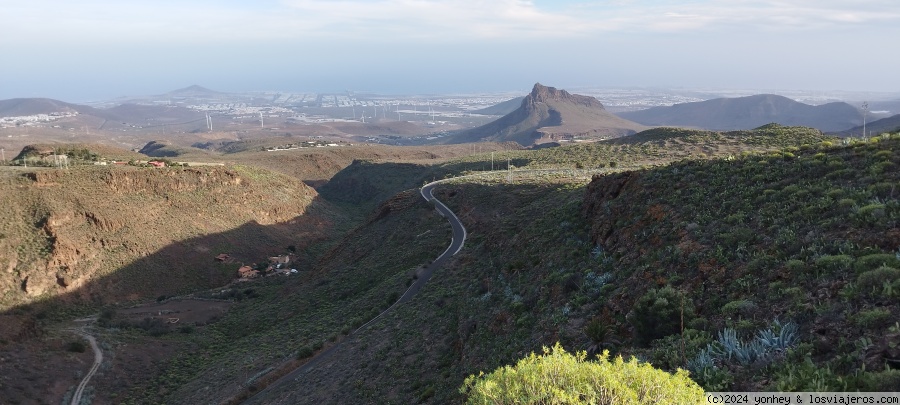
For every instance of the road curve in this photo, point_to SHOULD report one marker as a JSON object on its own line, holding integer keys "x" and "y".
{"x": 98, "y": 358}
{"x": 456, "y": 244}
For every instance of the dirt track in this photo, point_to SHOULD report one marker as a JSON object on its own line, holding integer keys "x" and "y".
{"x": 98, "y": 358}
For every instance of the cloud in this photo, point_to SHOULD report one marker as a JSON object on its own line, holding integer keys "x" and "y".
{"x": 729, "y": 15}
{"x": 440, "y": 19}
{"x": 453, "y": 21}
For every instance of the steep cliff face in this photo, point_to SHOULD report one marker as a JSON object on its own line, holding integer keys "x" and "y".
{"x": 122, "y": 233}
{"x": 544, "y": 94}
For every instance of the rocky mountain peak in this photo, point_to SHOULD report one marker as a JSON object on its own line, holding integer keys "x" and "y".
{"x": 545, "y": 94}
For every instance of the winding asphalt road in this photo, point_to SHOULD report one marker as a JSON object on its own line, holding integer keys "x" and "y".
{"x": 456, "y": 244}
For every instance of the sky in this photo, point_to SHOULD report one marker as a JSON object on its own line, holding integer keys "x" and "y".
{"x": 100, "y": 49}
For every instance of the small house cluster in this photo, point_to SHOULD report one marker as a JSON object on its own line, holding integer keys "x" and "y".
{"x": 276, "y": 265}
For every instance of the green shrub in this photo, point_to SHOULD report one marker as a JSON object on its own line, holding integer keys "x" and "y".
{"x": 806, "y": 376}
{"x": 882, "y": 381}
{"x": 871, "y": 213}
{"x": 836, "y": 263}
{"x": 739, "y": 308}
{"x": 883, "y": 189}
{"x": 873, "y": 318}
{"x": 304, "y": 352}
{"x": 875, "y": 279}
{"x": 558, "y": 377}
{"x": 872, "y": 262}
{"x": 835, "y": 193}
{"x": 796, "y": 267}
{"x": 846, "y": 202}
{"x": 673, "y": 351}
{"x": 658, "y": 314}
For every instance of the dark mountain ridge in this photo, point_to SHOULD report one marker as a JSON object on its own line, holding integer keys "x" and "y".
{"x": 17, "y": 107}
{"x": 194, "y": 90}
{"x": 128, "y": 112}
{"x": 889, "y": 124}
{"x": 725, "y": 114}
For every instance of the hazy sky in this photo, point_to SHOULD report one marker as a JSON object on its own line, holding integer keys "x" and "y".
{"x": 92, "y": 49}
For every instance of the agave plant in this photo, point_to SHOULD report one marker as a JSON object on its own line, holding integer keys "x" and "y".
{"x": 729, "y": 348}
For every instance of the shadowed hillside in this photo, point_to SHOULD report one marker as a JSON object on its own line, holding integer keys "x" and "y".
{"x": 65, "y": 228}
{"x": 750, "y": 112}
{"x": 268, "y": 321}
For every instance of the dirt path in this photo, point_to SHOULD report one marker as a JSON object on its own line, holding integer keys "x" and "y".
{"x": 98, "y": 358}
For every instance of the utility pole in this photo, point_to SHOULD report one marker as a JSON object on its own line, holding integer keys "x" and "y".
{"x": 3, "y": 152}
{"x": 492, "y": 161}
{"x": 865, "y": 107}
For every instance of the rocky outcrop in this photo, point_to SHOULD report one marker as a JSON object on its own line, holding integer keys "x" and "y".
{"x": 544, "y": 94}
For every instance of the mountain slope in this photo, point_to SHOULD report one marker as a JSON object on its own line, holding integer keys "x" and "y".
{"x": 793, "y": 232}
{"x": 547, "y": 258}
{"x": 502, "y": 108}
{"x": 750, "y": 112}
{"x": 548, "y": 114}
{"x": 889, "y": 124}
{"x": 194, "y": 91}
{"x": 17, "y": 107}
{"x": 143, "y": 115}
{"x": 64, "y": 229}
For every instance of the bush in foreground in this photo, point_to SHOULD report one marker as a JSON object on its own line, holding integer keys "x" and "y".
{"x": 558, "y": 377}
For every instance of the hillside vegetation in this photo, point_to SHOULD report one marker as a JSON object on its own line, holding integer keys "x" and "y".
{"x": 77, "y": 153}
{"x": 124, "y": 233}
{"x": 368, "y": 182}
{"x": 317, "y": 166}
{"x": 778, "y": 247}
{"x": 286, "y": 320}
{"x": 551, "y": 258}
